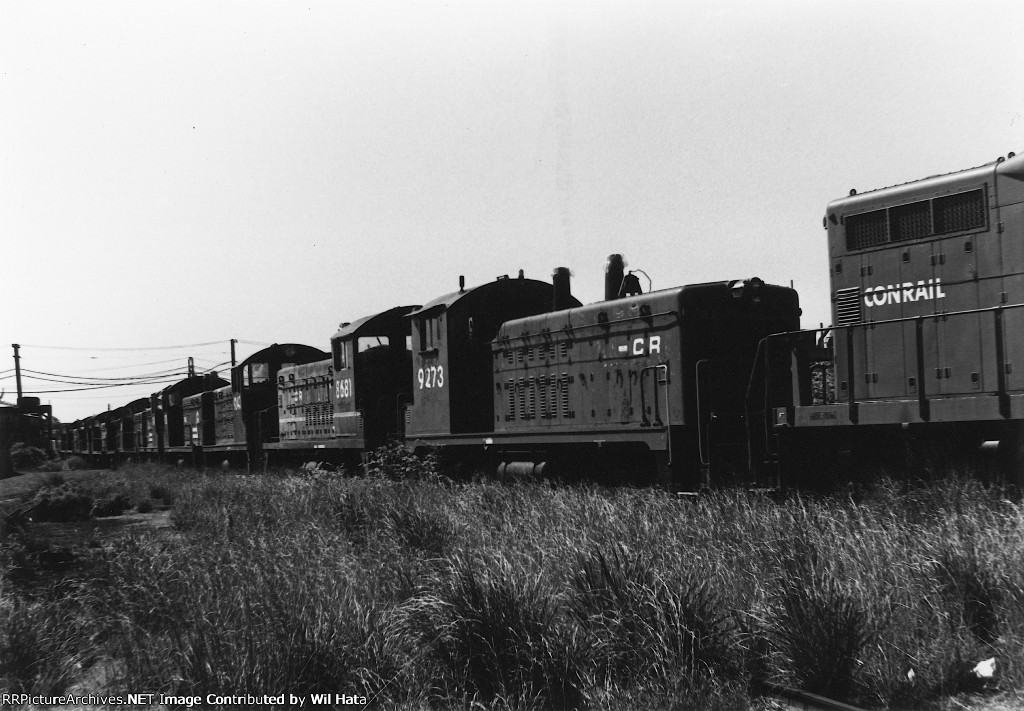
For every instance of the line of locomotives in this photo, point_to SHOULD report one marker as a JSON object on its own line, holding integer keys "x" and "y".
{"x": 692, "y": 385}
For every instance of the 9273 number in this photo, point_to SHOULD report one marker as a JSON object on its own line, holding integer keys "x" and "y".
{"x": 431, "y": 376}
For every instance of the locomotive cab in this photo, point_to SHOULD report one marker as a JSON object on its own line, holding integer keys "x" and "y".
{"x": 451, "y": 359}
{"x": 373, "y": 378}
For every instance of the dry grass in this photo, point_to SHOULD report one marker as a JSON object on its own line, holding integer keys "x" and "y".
{"x": 415, "y": 591}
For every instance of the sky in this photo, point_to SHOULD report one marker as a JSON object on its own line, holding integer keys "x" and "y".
{"x": 177, "y": 174}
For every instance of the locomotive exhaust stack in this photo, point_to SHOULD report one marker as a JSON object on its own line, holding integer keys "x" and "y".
{"x": 562, "y": 295}
{"x": 617, "y": 283}
{"x": 614, "y": 270}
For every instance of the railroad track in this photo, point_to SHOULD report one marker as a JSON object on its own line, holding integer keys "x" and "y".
{"x": 800, "y": 700}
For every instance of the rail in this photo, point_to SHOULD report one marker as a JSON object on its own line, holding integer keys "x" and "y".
{"x": 807, "y": 700}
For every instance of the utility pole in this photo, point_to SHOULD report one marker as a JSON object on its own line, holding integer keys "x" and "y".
{"x": 17, "y": 367}
{"x": 233, "y": 342}
{"x": 191, "y": 367}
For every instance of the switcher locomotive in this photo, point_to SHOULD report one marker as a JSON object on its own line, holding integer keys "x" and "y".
{"x": 689, "y": 386}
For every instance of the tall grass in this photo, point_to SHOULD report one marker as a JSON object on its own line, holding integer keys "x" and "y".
{"x": 413, "y": 591}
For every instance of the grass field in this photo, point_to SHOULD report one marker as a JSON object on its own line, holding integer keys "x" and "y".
{"x": 413, "y": 592}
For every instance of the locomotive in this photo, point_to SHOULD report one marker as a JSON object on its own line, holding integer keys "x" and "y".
{"x": 689, "y": 386}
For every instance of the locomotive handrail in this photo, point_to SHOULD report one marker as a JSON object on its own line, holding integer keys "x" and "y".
{"x": 644, "y": 422}
{"x": 921, "y": 381}
{"x": 702, "y": 435}
{"x": 903, "y": 319}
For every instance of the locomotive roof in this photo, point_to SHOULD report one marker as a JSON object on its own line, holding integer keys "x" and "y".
{"x": 691, "y": 296}
{"x": 140, "y": 404}
{"x": 1012, "y": 167}
{"x": 208, "y": 382}
{"x": 285, "y": 353}
{"x": 373, "y": 322}
{"x": 443, "y": 303}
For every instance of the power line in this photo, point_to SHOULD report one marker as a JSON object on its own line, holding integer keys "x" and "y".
{"x": 142, "y": 348}
{"x": 142, "y": 376}
{"x": 114, "y": 357}
{"x": 150, "y": 363}
{"x": 134, "y": 381}
{"x": 101, "y": 387}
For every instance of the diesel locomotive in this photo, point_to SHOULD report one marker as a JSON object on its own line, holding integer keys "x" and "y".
{"x": 694, "y": 385}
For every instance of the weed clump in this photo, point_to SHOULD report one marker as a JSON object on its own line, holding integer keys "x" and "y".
{"x": 113, "y": 504}
{"x": 396, "y": 462}
{"x": 60, "y": 503}
{"x": 26, "y": 456}
{"x": 42, "y": 645}
{"x": 75, "y": 463}
{"x": 497, "y": 632}
{"x": 819, "y": 631}
{"x": 643, "y": 625}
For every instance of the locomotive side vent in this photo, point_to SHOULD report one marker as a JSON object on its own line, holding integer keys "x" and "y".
{"x": 911, "y": 221}
{"x": 925, "y": 218}
{"x": 848, "y": 306}
{"x": 866, "y": 229}
{"x": 963, "y": 211}
{"x": 565, "y": 394}
{"x": 522, "y": 398}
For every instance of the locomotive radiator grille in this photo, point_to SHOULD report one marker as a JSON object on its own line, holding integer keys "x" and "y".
{"x": 531, "y": 413}
{"x": 963, "y": 211}
{"x": 911, "y": 221}
{"x": 848, "y": 306}
{"x": 866, "y": 229}
{"x": 924, "y": 218}
{"x": 511, "y": 387}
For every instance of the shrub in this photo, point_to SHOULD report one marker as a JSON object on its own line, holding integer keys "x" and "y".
{"x": 75, "y": 463}
{"x": 60, "y": 503}
{"x": 111, "y": 505}
{"x": 24, "y": 455}
{"x": 53, "y": 478}
{"x": 53, "y": 466}
{"x": 394, "y": 461}
{"x": 162, "y": 492}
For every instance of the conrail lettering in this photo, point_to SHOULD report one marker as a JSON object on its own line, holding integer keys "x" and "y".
{"x": 906, "y": 292}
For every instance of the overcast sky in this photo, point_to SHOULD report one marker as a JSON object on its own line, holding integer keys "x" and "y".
{"x": 178, "y": 173}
